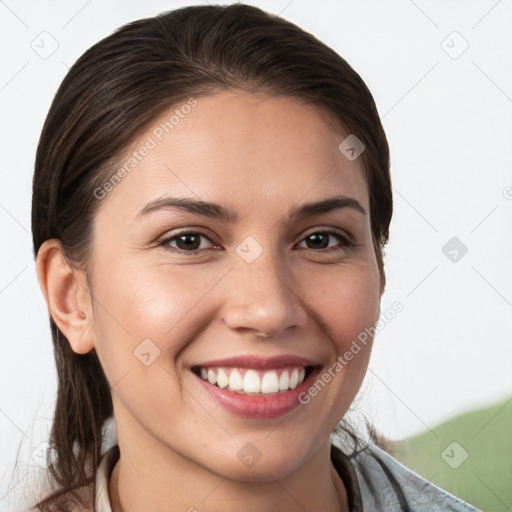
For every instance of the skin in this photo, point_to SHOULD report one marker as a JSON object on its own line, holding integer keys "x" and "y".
{"x": 260, "y": 156}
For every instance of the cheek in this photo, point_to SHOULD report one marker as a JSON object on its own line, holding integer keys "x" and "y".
{"x": 347, "y": 303}
{"x": 136, "y": 302}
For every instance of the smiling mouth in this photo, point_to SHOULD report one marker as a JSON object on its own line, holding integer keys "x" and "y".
{"x": 252, "y": 382}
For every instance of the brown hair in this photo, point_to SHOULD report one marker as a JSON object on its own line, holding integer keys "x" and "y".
{"x": 110, "y": 95}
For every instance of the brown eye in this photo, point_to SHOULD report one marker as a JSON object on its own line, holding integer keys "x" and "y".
{"x": 318, "y": 241}
{"x": 187, "y": 242}
{"x": 323, "y": 240}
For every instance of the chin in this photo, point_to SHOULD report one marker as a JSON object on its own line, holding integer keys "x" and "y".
{"x": 259, "y": 460}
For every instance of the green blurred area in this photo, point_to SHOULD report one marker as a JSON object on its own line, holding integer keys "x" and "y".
{"x": 470, "y": 456}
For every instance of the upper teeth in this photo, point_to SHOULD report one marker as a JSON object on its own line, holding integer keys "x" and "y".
{"x": 252, "y": 381}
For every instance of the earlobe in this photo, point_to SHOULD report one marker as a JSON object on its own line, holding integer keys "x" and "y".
{"x": 67, "y": 295}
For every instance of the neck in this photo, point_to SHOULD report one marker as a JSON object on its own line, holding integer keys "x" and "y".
{"x": 134, "y": 487}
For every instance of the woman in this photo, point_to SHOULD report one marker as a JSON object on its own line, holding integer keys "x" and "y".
{"x": 211, "y": 198}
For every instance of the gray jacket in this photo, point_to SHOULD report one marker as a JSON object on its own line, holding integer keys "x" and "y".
{"x": 377, "y": 482}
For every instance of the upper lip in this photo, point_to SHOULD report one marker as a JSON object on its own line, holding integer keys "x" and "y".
{"x": 258, "y": 362}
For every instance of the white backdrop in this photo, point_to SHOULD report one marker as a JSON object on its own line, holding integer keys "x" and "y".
{"x": 441, "y": 76}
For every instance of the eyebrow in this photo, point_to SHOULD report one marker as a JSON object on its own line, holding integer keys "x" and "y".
{"x": 216, "y": 211}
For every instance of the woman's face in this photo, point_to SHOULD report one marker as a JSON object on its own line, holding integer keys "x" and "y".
{"x": 242, "y": 277}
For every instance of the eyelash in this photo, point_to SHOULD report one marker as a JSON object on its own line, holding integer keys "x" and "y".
{"x": 346, "y": 243}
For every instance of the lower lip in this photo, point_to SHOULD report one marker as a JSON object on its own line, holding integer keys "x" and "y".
{"x": 253, "y": 406}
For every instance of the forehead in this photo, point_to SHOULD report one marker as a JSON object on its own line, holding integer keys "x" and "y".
{"x": 242, "y": 149}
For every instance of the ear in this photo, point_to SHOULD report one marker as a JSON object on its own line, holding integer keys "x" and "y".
{"x": 67, "y": 295}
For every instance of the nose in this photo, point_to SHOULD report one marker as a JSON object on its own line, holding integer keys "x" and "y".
{"x": 263, "y": 298}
